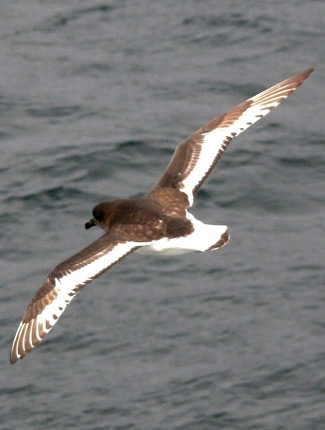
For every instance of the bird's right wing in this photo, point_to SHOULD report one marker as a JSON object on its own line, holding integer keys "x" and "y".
{"x": 62, "y": 284}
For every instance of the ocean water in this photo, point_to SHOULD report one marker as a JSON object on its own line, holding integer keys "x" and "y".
{"x": 94, "y": 97}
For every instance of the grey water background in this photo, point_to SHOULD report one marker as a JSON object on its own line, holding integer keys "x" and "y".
{"x": 94, "y": 97}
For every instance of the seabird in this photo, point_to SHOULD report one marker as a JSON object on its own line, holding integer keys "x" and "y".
{"x": 157, "y": 222}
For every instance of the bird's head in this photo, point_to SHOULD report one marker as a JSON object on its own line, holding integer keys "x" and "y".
{"x": 100, "y": 216}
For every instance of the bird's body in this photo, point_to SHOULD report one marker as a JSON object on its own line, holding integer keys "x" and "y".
{"x": 159, "y": 218}
{"x": 157, "y": 222}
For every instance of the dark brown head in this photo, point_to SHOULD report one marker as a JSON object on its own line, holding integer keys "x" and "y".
{"x": 101, "y": 216}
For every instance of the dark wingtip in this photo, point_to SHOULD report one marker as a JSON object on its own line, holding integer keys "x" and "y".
{"x": 13, "y": 360}
{"x": 308, "y": 72}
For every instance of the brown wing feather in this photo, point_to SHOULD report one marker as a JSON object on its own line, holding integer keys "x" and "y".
{"x": 225, "y": 127}
{"x": 63, "y": 283}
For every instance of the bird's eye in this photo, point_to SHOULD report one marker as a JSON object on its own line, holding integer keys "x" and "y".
{"x": 98, "y": 215}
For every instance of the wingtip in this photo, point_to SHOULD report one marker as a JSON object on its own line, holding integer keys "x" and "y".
{"x": 14, "y": 353}
{"x": 13, "y": 359}
{"x": 308, "y": 72}
{"x": 298, "y": 79}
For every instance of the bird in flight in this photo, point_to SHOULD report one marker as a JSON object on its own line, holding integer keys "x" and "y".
{"x": 157, "y": 222}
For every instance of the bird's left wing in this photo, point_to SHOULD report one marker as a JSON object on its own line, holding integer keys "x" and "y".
{"x": 196, "y": 156}
{"x": 62, "y": 284}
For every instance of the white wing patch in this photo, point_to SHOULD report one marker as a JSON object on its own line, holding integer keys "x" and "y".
{"x": 213, "y": 143}
{"x": 65, "y": 287}
{"x": 216, "y": 141}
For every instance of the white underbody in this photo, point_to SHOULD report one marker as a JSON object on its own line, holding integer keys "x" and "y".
{"x": 203, "y": 237}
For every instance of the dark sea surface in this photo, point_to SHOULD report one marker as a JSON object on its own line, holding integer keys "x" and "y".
{"x": 94, "y": 97}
